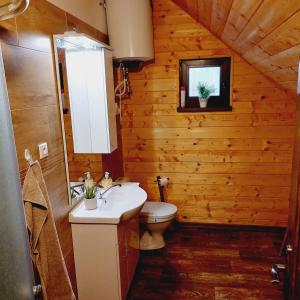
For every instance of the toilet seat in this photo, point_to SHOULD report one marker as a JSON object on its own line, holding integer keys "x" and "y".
{"x": 157, "y": 212}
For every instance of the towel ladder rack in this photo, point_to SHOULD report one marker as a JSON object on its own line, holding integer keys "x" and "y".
{"x": 28, "y": 157}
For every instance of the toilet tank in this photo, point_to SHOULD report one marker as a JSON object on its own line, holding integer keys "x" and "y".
{"x": 130, "y": 29}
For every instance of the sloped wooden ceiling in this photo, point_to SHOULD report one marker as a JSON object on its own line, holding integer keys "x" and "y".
{"x": 265, "y": 32}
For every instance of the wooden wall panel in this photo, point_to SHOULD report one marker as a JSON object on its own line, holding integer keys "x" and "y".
{"x": 38, "y": 24}
{"x": 258, "y": 30}
{"x": 205, "y": 12}
{"x": 113, "y": 162}
{"x": 32, "y": 82}
{"x": 231, "y": 167}
{"x": 76, "y": 24}
{"x": 29, "y": 66}
{"x": 266, "y": 19}
{"x": 220, "y": 12}
{"x": 8, "y": 32}
{"x": 239, "y": 16}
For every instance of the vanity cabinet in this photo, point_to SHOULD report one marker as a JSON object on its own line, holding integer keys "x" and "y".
{"x": 106, "y": 256}
{"x": 128, "y": 243}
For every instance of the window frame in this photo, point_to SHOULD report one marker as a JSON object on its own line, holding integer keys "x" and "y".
{"x": 221, "y": 102}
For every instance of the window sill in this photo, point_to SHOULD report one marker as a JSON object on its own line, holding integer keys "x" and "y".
{"x": 207, "y": 109}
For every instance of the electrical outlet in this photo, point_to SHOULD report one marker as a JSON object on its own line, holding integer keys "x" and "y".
{"x": 43, "y": 150}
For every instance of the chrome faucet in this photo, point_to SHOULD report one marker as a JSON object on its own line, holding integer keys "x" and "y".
{"x": 77, "y": 186}
{"x": 102, "y": 194}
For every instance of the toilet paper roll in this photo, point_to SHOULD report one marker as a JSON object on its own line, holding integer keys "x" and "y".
{"x": 164, "y": 181}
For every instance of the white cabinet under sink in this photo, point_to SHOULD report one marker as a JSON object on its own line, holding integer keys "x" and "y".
{"x": 106, "y": 256}
{"x": 106, "y": 243}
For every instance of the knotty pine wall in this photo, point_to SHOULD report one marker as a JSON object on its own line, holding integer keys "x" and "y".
{"x": 26, "y": 43}
{"x": 225, "y": 167}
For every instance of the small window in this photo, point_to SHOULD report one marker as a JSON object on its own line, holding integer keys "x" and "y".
{"x": 214, "y": 73}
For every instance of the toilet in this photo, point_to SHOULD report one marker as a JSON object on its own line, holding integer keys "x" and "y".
{"x": 155, "y": 218}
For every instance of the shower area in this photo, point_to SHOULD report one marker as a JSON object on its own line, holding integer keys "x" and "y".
{"x": 15, "y": 263}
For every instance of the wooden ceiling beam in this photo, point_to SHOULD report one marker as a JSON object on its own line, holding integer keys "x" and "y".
{"x": 220, "y": 12}
{"x": 264, "y": 32}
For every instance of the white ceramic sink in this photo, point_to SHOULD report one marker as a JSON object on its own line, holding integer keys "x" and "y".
{"x": 118, "y": 204}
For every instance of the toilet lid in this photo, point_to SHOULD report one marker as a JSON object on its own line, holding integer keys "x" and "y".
{"x": 158, "y": 209}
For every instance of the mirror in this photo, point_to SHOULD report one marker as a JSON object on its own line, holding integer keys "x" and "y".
{"x": 87, "y": 105}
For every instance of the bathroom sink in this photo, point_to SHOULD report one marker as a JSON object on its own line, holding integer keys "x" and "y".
{"x": 131, "y": 213}
{"x": 118, "y": 204}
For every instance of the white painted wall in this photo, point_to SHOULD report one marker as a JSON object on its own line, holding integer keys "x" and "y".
{"x": 88, "y": 11}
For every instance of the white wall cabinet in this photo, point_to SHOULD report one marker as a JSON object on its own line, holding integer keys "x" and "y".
{"x": 106, "y": 257}
{"x": 92, "y": 101}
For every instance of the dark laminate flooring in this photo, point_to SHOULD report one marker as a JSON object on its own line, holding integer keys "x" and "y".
{"x": 210, "y": 263}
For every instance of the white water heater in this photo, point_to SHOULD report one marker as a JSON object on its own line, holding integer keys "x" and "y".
{"x": 130, "y": 29}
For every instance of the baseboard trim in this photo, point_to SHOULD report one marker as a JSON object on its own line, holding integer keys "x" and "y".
{"x": 232, "y": 227}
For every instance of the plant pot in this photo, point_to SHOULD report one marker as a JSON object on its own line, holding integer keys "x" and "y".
{"x": 90, "y": 203}
{"x": 203, "y": 102}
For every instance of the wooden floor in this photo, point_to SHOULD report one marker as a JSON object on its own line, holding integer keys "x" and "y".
{"x": 209, "y": 263}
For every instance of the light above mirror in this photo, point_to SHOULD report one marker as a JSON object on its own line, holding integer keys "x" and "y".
{"x": 74, "y": 40}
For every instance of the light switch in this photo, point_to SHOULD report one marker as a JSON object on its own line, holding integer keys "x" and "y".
{"x": 43, "y": 150}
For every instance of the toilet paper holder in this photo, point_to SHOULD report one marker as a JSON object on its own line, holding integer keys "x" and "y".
{"x": 162, "y": 182}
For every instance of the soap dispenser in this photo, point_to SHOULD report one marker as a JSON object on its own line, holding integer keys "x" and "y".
{"x": 89, "y": 181}
{"x": 106, "y": 182}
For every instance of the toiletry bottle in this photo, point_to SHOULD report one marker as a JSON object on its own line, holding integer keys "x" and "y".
{"x": 182, "y": 96}
{"x": 89, "y": 181}
{"x": 106, "y": 181}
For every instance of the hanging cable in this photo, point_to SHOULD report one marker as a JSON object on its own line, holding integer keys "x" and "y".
{"x": 123, "y": 88}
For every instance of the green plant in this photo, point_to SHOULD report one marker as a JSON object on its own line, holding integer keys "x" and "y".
{"x": 204, "y": 90}
{"x": 90, "y": 192}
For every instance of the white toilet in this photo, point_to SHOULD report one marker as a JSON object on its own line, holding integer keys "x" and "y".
{"x": 156, "y": 217}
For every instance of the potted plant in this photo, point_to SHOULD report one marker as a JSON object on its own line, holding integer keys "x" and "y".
{"x": 90, "y": 200}
{"x": 204, "y": 92}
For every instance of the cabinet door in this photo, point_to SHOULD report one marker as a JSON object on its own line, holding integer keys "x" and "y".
{"x": 96, "y": 81}
{"x": 133, "y": 247}
{"x": 123, "y": 260}
{"x": 79, "y": 102}
{"x": 92, "y": 101}
{"x": 129, "y": 251}
{"x": 111, "y": 104}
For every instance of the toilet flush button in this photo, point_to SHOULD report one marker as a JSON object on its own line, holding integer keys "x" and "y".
{"x": 43, "y": 150}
